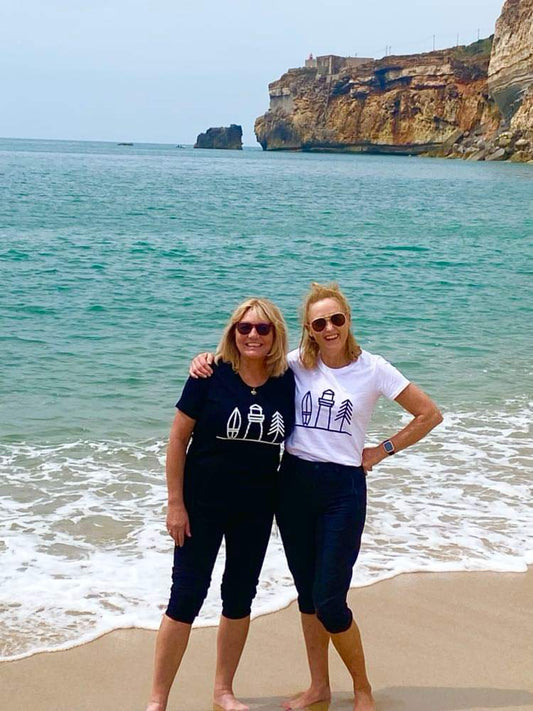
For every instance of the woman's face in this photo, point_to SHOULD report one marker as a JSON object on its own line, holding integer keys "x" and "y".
{"x": 253, "y": 345}
{"x": 331, "y": 340}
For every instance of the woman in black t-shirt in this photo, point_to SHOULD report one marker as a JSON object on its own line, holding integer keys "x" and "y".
{"x": 222, "y": 459}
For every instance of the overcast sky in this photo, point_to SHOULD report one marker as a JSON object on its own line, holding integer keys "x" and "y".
{"x": 165, "y": 70}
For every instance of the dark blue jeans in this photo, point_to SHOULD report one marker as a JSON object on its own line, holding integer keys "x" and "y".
{"x": 321, "y": 515}
{"x": 246, "y": 532}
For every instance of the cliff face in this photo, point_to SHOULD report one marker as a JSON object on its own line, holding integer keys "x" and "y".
{"x": 440, "y": 103}
{"x": 409, "y": 104}
{"x": 511, "y": 62}
{"x": 510, "y": 76}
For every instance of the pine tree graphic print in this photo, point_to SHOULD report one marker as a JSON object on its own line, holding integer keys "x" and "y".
{"x": 344, "y": 415}
{"x": 277, "y": 427}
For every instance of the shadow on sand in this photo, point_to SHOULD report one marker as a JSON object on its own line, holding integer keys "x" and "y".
{"x": 450, "y": 698}
{"x": 417, "y": 698}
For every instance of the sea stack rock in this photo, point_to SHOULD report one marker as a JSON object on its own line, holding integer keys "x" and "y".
{"x": 227, "y": 137}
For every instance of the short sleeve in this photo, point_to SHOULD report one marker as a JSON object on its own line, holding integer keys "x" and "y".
{"x": 390, "y": 381}
{"x": 193, "y": 397}
{"x": 290, "y": 389}
{"x": 293, "y": 359}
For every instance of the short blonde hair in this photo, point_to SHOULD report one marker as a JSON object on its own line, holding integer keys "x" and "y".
{"x": 309, "y": 350}
{"x": 276, "y": 360}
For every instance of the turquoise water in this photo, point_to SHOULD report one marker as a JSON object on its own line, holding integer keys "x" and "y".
{"x": 118, "y": 264}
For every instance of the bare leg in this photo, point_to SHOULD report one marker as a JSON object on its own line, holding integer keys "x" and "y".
{"x": 350, "y": 648}
{"x": 230, "y": 643}
{"x": 170, "y": 646}
{"x": 316, "y": 645}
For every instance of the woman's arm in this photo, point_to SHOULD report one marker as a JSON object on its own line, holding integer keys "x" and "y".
{"x": 201, "y": 365}
{"x": 177, "y": 517}
{"x": 426, "y": 416}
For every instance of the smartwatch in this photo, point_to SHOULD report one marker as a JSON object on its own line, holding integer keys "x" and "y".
{"x": 388, "y": 446}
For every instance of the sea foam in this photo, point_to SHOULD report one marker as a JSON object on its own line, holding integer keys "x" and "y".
{"x": 85, "y": 551}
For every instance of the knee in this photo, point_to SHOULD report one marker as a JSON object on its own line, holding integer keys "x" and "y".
{"x": 183, "y": 610}
{"x": 237, "y": 599}
{"x": 335, "y": 615}
{"x": 236, "y": 610}
{"x": 306, "y": 604}
{"x": 184, "y": 604}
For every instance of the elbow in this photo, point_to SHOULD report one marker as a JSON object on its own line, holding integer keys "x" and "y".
{"x": 436, "y": 417}
{"x": 431, "y": 418}
{"x": 178, "y": 443}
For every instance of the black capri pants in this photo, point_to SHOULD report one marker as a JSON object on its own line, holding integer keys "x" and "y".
{"x": 321, "y": 515}
{"x": 246, "y": 531}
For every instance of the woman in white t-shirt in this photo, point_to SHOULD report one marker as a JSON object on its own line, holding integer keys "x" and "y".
{"x": 322, "y": 504}
{"x": 322, "y": 498}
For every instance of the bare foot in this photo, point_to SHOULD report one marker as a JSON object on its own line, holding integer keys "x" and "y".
{"x": 156, "y": 706}
{"x": 227, "y": 702}
{"x": 309, "y": 697}
{"x": 364, "y": 701}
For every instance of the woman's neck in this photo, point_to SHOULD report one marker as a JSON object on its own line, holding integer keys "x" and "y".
{"x": 253, "y": 372}
{"x": 335, "y": 360}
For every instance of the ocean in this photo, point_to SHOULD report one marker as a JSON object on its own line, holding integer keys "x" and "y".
{"x": 119, "y": 263}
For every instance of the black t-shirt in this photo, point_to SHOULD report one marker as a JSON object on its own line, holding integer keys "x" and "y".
{"x": 235, "y": 446}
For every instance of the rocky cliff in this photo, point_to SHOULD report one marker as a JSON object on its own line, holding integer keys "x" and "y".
{"x": 407, "y": 104}
{"x": 510, "y": 77}
{"x": 227, "y": 137}
{"x": 447, "y": 102}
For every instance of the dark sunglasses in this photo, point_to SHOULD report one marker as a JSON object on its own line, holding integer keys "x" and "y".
{"x": 319, "y": 324}
{"x": 245, "y": 327}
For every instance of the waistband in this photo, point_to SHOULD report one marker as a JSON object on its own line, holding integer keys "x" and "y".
{"x": 306, "y": 465}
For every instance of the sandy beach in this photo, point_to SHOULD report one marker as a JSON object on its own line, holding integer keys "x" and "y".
{"x": 434, "y": 642}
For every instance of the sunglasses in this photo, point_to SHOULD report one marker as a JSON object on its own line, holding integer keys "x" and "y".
{"x": 319, "y": 324}
{"x": 245, "y": 327}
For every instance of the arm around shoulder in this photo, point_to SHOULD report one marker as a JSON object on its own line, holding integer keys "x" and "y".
{"x": 200, "y": 366}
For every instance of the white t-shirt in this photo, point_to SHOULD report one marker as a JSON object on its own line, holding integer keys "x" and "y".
{"x": 334, "y": 406}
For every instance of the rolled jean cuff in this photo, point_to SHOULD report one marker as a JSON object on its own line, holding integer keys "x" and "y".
{"x": 340, "y": 624}
{"x": 236, "y": 613}
{"x": 306, "y": 607}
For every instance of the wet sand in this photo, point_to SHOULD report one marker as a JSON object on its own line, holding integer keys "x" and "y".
{"x": 434, "y": 642}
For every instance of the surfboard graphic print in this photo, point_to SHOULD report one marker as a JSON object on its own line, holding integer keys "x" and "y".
{"x": 307, "y": 408}
{"x": 234, "y": 424}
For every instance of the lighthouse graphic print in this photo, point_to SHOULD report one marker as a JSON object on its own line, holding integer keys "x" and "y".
{"x": 324, "y": 414}
{"x": 251, "y": 426}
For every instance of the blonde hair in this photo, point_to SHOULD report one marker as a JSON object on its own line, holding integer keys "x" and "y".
{"x": 276, "y": 360}
{"x": 309, "y": 350}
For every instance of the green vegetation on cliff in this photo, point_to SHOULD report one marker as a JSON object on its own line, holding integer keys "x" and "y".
{"x": 481, "y": 48}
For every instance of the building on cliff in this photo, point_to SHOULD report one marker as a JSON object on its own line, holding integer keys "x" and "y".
{"x": 331, "y": 64}
{"x": 473, "y": 102}
{"x": 410, "y": 104}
